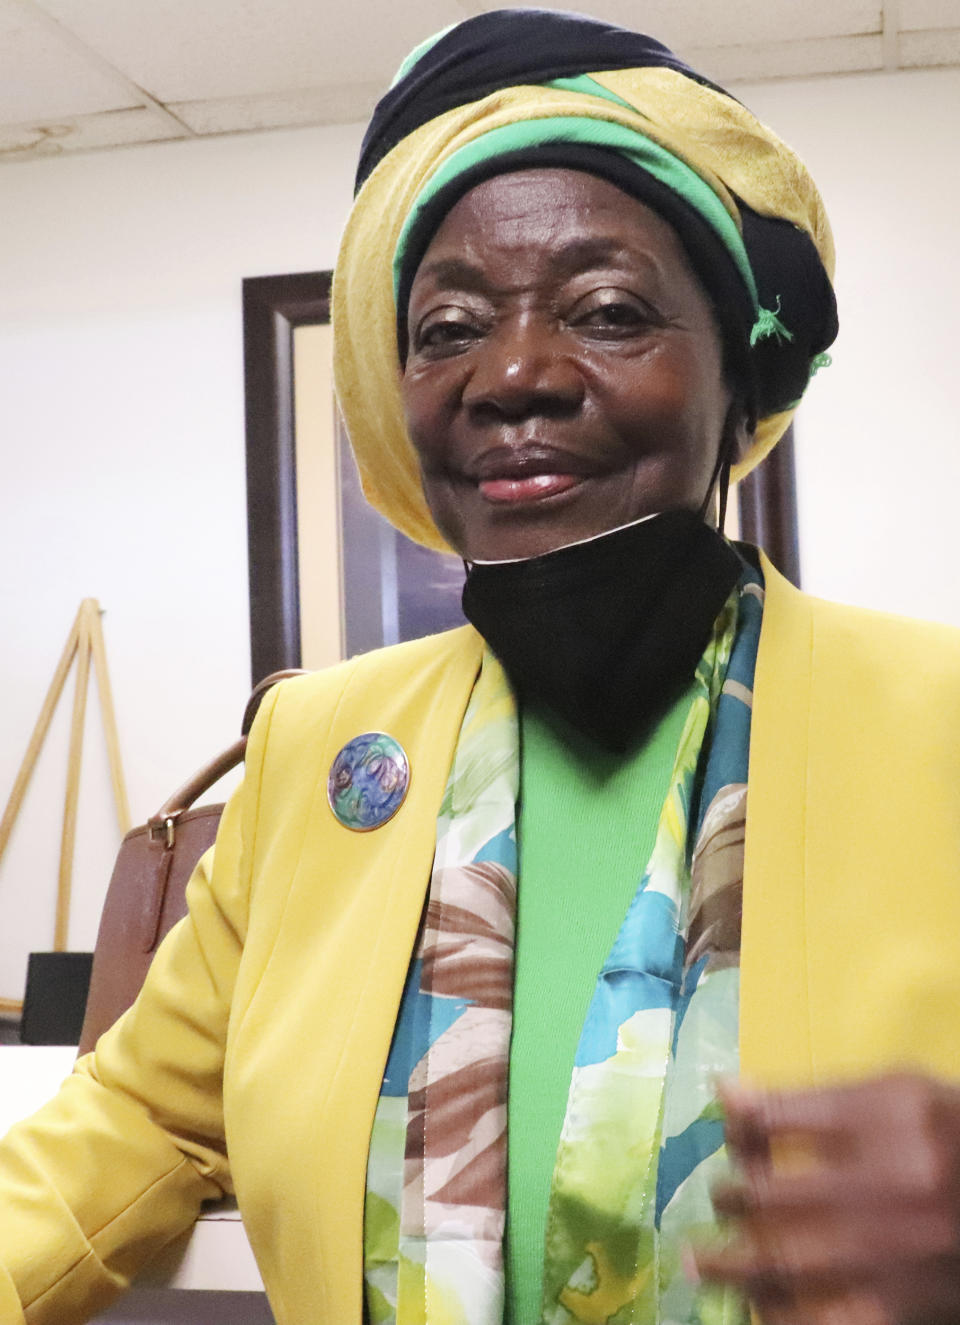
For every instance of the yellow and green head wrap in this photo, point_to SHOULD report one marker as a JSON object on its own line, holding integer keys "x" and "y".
{"x": 520, "y": 88}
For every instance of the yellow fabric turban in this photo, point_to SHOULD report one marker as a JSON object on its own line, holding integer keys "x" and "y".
{"x": 753, "y": 178}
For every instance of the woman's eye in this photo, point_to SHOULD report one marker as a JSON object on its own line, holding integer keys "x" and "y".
{"x": 613, "y": 312}
{"x": 450, "y": 329}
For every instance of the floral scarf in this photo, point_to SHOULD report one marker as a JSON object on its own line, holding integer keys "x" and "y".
{"x": 642, "y": 1139}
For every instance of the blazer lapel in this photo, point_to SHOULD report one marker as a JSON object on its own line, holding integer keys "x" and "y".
{"x": 775, "y": 1046}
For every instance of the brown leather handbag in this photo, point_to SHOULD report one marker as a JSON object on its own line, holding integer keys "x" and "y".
{"x": 146, "y": 893}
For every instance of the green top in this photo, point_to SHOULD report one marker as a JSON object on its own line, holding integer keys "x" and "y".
{"x": 585, "y": 816}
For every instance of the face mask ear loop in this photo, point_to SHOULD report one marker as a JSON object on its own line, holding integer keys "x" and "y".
{"x": 719, "y": 482}
{"x": 723, "y": 491}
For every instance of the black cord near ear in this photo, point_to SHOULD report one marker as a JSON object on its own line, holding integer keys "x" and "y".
{"x": 720, "y": 480}
{"x": 723, "y": 489}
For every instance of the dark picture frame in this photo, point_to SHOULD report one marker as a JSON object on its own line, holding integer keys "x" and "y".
{"x": 273, "y": 308}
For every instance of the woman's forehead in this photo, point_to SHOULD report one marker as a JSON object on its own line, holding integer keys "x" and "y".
{"x": 562, "y": 221}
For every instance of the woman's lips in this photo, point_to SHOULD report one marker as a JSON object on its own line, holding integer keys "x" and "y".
{"x": 529, "y": 473}
{"x": 531, "y": 487}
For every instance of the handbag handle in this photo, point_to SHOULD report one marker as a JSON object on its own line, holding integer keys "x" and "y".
{"x": 162, "y": 826}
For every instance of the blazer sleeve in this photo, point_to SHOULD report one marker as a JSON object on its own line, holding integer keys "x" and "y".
{"x": 120, "y": 1160}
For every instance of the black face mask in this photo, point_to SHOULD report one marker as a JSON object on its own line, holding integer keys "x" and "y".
{"x": 607, "y": 633}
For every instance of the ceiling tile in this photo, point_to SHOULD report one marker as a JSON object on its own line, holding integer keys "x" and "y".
{"x": 788, "y": 59}
{"x": 693, "y": 23}
{"x": 182, "y": 50}
{"x": 108, "y": 129}
{"x": 929, "y": 14}
{"x": 45, "y": 77}
{"x": 322, "y": 105}
{"x": 239, "y": 65}
{"x": 923, "y": 50}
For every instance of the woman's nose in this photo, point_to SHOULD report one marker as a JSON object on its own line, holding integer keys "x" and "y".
{"x": 522, "y": 369}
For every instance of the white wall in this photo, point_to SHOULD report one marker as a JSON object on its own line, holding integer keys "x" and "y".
{"x": 122, "y": 448}
{"x": 877, "y": 436}
{"x": 121, "y": 422}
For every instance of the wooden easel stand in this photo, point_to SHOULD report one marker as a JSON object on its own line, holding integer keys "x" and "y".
{"x": 85, "y": 643}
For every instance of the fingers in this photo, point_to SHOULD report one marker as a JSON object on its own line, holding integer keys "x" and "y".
{"x": 821, "y": 1249}
{"x": 907, "y": 1101}
{"x": 777, "y": 1262}
{"x": 756, "y": 1117}
{"x": 846, "y": 1203}
{"x": 746, "y": 1137}
{"x": 785, "y": 1292}
{"x": 840, "y": 1309}
{"x": 903, "y": 1129}
{"x": 822, "y": 1190}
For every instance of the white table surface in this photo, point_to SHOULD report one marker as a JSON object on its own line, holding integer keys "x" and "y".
{"x": 215, "y": 1256}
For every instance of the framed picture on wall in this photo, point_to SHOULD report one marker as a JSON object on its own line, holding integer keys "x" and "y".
{"x": 328, "y": 576}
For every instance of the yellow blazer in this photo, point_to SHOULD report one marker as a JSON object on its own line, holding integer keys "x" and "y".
{"x": 267, "y": 1016}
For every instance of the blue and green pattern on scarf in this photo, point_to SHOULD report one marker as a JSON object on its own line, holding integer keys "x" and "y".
{"x": 436, "y": 1173}
{"x": 642, "y": 1139}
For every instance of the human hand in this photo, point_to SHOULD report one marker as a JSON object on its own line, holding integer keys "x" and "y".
{"x": 846, "y": 1208}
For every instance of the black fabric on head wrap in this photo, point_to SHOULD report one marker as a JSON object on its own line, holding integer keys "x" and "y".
{"x": 501, "y": 49}
{"x": 507, "y": 47}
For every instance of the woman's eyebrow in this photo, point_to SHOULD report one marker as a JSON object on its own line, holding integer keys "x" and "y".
{"x": 567, "y": 258}
{"x": 454, "y": 274}
{"x": 591, "y": 251}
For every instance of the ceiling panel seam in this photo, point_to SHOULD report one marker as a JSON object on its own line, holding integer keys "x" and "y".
{"x": 90, "y": 53}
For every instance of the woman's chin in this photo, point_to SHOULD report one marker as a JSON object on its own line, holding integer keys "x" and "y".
{"x": 510, "y": 529}
{"x": 507, "y": 517}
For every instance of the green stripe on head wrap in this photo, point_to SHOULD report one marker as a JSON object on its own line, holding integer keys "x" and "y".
{"x": 589, "y": 131}
{"x": 589, "y": 87}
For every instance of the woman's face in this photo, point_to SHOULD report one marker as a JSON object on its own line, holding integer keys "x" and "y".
{"x": 565, "y": 374}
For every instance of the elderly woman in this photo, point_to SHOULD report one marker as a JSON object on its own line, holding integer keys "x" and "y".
{"x": 568, "y": 305}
